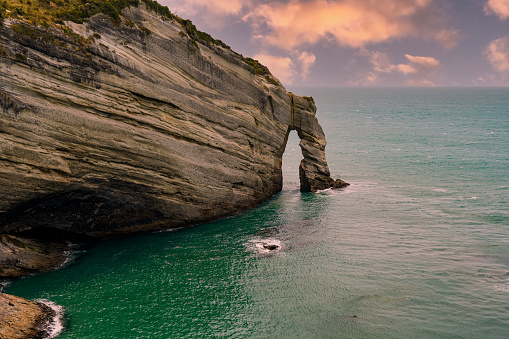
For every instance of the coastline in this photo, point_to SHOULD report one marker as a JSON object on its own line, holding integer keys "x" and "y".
{"x": 55, "y": 325}
{"x": 19, "y": 257}
{"x": 23, "y": 256}
{"x": 20, "y": 318}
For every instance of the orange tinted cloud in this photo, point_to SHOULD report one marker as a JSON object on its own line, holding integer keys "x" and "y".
{"x": 281, "y": 67}
{"x": 425, "y": 62}
{"x": 419, "y": 69}
{"x": 287, "y": 69}
{"x": 497, "y": 54}
{"x": 353, "y": 23}
{"x": 499, "y": 8}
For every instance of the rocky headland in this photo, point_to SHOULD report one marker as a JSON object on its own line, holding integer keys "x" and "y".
{"x": 23, "y": 319}
{"x": 126, "y": 122}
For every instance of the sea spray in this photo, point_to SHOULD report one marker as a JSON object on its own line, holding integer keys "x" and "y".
{"x": 56, "y": 325}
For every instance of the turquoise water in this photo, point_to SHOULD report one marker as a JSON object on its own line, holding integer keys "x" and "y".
{"x": 416, "y": 247}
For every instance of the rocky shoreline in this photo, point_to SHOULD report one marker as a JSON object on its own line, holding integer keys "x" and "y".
{"x": 21, "y": 256}
{"x": 20, "y": 318}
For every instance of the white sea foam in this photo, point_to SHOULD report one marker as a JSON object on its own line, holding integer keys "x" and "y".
{"x": 262, "y": 245}
{"x": 4, "y": 284}
{"x": 56, "y": 326}
{"x": 501, "y": 283}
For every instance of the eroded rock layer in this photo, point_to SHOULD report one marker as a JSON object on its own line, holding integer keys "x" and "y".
{"x": 136, "y": 130}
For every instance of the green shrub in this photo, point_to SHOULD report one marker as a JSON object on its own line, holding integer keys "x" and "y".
{"x": 32, "y": 33}
{"x": 222, "y": 44}
{"x": 3, "y": 51}
{"x": 145, "y": 30}
{"x": 159, "y": 9}
{"x": 257, "y": 66}
{"x": 271, "y": 80}
{"x": 21, "y": 57}
{"x": 84, "y": 9}
{"x": 2, "y": 16}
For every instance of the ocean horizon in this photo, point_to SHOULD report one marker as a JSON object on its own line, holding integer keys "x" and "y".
{"x": 417, "y": 246}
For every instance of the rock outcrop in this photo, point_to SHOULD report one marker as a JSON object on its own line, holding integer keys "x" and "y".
{"x": 21, "y": 256}
{"x": 126, "y": 127}
{"x": 313, "y": 170}
{"x": 23, "y": 319}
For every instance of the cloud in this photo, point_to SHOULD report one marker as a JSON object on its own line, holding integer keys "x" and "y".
{"x": 423, "y": 62}
{"x": 215, "y": 12}
{"x": 287, "y": 69}
{"x": 382, "y": 64}
{"x": 281, "y": 67}
{"x": 365, "y": 79}
{"x": 306, "y": 60}
{"x": 419, "y": 69}
{"x": 351, "y": 23}
{"x": 421, "y": 82}
{"x": 447, "y": 38}
{"x": 499, "y": 8}
{"x": 497, "y": 54}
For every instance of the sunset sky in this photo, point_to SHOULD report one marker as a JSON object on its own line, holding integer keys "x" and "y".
{"x": 364, "y": 42}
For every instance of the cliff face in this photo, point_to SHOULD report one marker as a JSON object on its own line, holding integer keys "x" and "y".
{"x": 139, "y": 128}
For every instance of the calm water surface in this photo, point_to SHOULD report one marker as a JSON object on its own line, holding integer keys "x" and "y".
{"x": 417, "y": 246}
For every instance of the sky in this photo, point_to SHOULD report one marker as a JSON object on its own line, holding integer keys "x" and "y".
{"x": 364, "y": 42}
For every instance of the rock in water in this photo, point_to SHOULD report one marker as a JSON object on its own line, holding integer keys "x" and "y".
{"x": 270, "y": 247}
{"x": 146, "y": 126}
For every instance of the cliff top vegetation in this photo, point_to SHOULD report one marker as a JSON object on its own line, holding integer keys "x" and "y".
{"x": 54, "y": 13}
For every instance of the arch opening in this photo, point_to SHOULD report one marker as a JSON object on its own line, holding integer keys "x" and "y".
{"x": 291, "y": 158}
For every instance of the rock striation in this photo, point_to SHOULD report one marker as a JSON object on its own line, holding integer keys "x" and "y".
{"x": 130, "y": 125}
{"x": 134, "y": 126}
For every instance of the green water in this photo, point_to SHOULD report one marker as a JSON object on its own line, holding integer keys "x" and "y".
{"x": 417, "y": 246}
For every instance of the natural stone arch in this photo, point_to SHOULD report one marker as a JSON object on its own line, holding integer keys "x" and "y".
{"x": 314, "y": 172}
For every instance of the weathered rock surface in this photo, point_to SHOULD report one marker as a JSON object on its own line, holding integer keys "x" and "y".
{"x": 21, "y": 256}
{"x": 139, "y": 132}
{"x": 23, "y": 319}
{"x": 313, "y": 170}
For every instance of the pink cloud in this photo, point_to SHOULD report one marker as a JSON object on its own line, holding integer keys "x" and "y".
{"x": 423, "y": 62}
{"x": 499, "y": 8}
{"x": 281, "y": 67}
{"x": 497, "y": 54}
{"x": 215, "y": 12}
{"x": 419, "y": 69}
{"x": 306, "y": 60}
{"x": 353, "y": 23}
{"x": 447, "y": 38}
{"x": 288, "y": 69}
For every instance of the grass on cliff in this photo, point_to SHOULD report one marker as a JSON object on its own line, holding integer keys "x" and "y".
{"x": 48, "y": 13}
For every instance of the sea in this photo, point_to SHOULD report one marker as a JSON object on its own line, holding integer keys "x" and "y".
{"x": 416, "y": 247}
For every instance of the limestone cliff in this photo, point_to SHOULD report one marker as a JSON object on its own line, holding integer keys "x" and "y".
{"x": 120, "y": 127}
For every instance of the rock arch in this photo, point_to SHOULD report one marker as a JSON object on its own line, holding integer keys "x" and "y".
{"x": 314, "y": 172}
